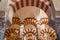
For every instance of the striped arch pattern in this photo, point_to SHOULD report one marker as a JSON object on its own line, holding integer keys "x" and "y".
{"x": 43, "y": 4}
{"x": 16, "y": 20}
{"x": 12, "y": 33}
{"x": 30, "y": 20}
{"x": 48, "y": 33}
{"x": 30, "y": 32}
{"x": 44, "y": 21}
{"x": 26, "y": 31}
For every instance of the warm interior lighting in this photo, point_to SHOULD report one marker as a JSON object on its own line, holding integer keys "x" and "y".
{"x": 41, "y": 14}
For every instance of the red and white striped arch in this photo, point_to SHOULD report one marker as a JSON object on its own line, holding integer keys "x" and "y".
{"x": 44, "y": 21}
{"x": 16, "y": 20}
{"x": 43, "y": 4}
{"x": 11, "y": 30}
{"x": 26, "y": 31}
{"x": 30, "y": 20}
{"x": 48, "y": 32}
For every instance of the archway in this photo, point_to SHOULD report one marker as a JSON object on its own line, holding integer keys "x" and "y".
{"x": 31, "y": 8}
{"x": 43, "y": 4}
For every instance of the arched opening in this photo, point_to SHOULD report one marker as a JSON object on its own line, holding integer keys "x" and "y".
{"x": 31, "y": 14}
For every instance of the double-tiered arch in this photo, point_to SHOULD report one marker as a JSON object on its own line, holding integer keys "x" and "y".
{"x": 25, "y": 13}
